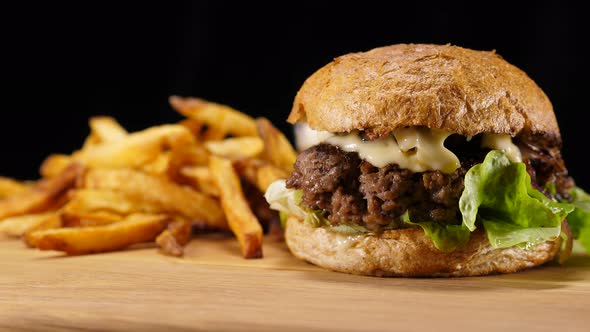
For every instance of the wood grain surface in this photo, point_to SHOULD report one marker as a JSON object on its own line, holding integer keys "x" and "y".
{"x": 214, "y": 289}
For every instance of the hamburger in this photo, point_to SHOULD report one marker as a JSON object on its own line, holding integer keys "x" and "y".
{"x": 427, "y": 160}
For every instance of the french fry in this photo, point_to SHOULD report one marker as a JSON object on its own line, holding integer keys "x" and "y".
{"x": 10, "y": 187}
{"x": 221, "y": 117}
{"x": 158, "y": 166}
{"x": 185, "y": 155}
{"x": 88, "y": 219}
{"x": 241, "y": 220}
{"x": 136, "y": 228}
{"x": 135, "y": 149}
{"x": 169, "y": 196}
{"x": 236, "y": 147}
{"x": 277, "y": 148}
{"x": 203, "y": 132}
{"x": 89, "y": 201}
{"x": 52, "y": 222}
{"x": 157, "y": 184}
{"x": 54, "y": 164}
{"x": 175, "y": 237}
{"x": 267, "y": 174}
{"x": 199, "y": 177}
{"x": 259, "y": 172}
{"x": 43, "y": 195}
{"x": 213, "y": 133}
{"x": 181, "y": 229}
{"x": 168, "y": 244}
{"x": 91, "y": 141}
{"x": 195, "y": 127}
{"x": 107, "y": 129}
{"x": 19, "y": 225}
{"x": 103, "y": 129}
{"x": 247, "y": 168}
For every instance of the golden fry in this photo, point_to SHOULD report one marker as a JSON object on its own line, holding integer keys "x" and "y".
{"x": 267, "y": 174}
{"x": 54, "y": 164}
{"x": 136, "y": 228}
{"x": 241, "y": 220}
{"x": 103, "y": 129}
{"x": 87, "y": 219}
{"x": 135, "y": 149}
{"x": 224, "y": 119}
{"x": 175, "y": 237}
{"x": 168, "y": 244}
{"x": 185, "y": 155}
{"x": 157, "y": 184}
{"x": 213, "y": 133}
{"x": 10, "y": 187}
{"x": 181, "y": 229}
{"x": 19, "y": 225}
{"x": 277, "y": 148}
{"x": 158, "y": 166}
{"x": 259, "y": 172}
{"x": 193, "y": 125}
{"x": 88, "y": 201}
{"x": 52, "y": 222}
{"x": 107, "y": 129}
{"x": 169, "y": 196}
{"x": 236, "y": 147}
{"x": 247, "y": 168}
{"x": 91, "y": 141}
{"x": 43, "y": 195}
{"x": 199, "y": 177}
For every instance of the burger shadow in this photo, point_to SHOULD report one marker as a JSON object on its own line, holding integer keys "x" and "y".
{"x": 546, "y": 277}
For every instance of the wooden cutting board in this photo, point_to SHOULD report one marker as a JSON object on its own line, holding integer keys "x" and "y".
{"x": 214, "y": 289}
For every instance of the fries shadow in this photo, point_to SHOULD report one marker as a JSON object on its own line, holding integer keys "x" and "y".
{"x": 546, "y": 277}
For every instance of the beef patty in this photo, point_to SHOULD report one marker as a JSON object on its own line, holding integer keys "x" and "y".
{"x": 351, "y": 190}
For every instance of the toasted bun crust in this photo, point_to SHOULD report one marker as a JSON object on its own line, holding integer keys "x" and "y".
{"x": 408, "y": 252}
{"x": 438, "y": 86}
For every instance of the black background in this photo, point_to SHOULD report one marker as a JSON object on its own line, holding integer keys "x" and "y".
{"x": 63, "y": 63}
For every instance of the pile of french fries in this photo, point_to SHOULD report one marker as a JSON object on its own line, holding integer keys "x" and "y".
{"x": 155, "y": 185}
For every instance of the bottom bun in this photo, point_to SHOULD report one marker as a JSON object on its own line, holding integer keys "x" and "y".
{"x": 408, "y": 252}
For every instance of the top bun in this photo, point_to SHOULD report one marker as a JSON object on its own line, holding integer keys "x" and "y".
{"x": 438, "y": 86}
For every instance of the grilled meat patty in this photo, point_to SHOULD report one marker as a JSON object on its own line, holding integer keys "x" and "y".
{"x": 351, "y": 190}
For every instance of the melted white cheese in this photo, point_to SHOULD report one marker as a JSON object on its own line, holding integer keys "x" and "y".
{"x": 417, "y": 149}
{"x": 503, "y": 143}
{"x": 305, "y": 137}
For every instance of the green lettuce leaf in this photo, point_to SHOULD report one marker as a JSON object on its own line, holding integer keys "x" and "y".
{"x": 288, "y": 201}
{"x": 579, "y": 219}
{"x": 499, "y": 193}
{"x": 445, "y": 237}
{"x": 502, "y": 234}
